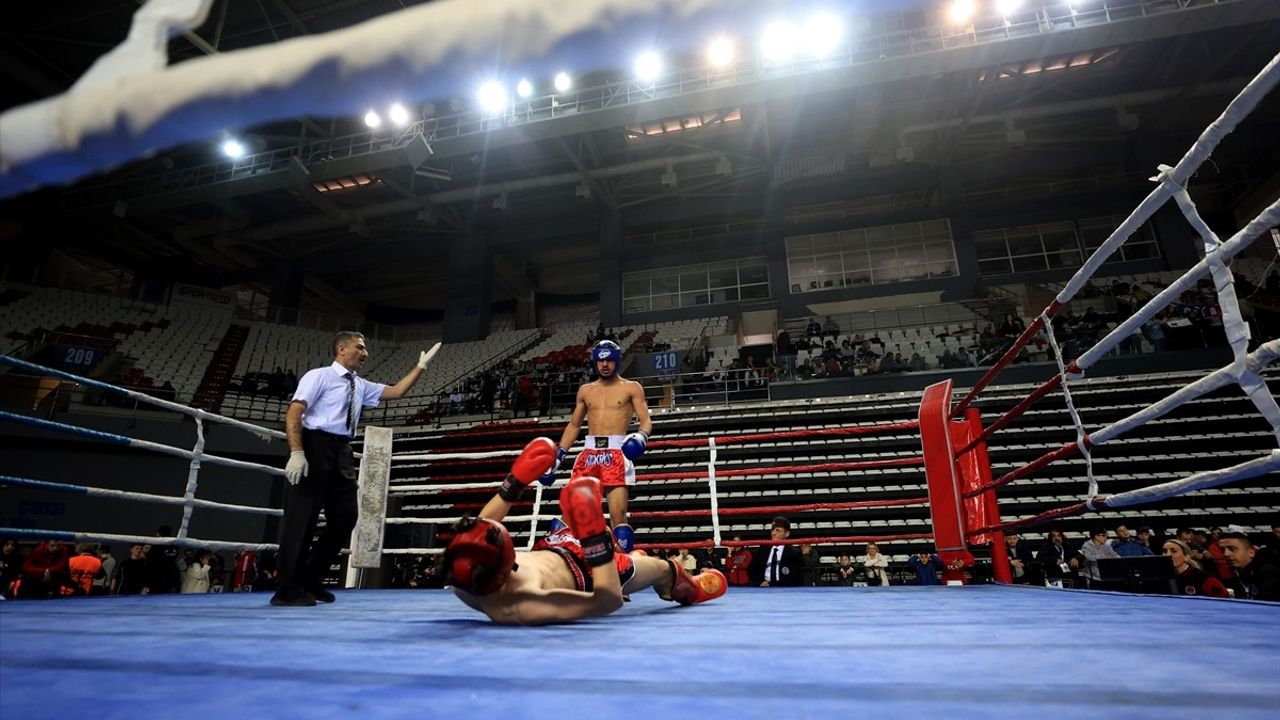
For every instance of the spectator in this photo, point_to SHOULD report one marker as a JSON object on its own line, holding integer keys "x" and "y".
{"x": 196, "y": 578}
{"x": 1255, "y": 577}
{"x": 1144, "y": 538}
{"x": 1094, "y": 549}
{"x": 162, "y": 565}
{"x": 739, "y": 562}
{"x": 711, "y": 559}
{"x": 812, "y": 565}
{"x": 84, "y": 569}
{"x": 45, "y": 570}
{"x": 846, "y": 573}
{"x": 1059, "y": 562}
{"x": 10, "y": 566}
{"x": 1022, "y": 562}
{"x": 1196, "y": 541}
{"x": 780, "y": 565}
{"x": 927, "y": 566}
{"x": 130, "y": 577}
{"x": 1126, "y": 545}
{"x": 876, "y": 566}
{"x": 1191, "y": 579}
{"x": 244, "y": 572}
{"x": 102, "y": 583}
{"x": 813, "y": 329}
{"x": 687, "y": 561}
{"x": 829, "y": 327}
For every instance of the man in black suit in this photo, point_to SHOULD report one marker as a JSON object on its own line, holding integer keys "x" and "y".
{"x": 778, "y": 565}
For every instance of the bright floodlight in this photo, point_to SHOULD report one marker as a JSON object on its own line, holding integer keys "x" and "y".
{"x": 648, "y": 66}
{"x": 493, "y": 99}
{"x": 232, "y": 149}
{"x": 720, "y": 52}
{"x": 524, "y": 88}
{"x": 822, "y": 34}
{"x": 563, "y": 82}
{"x": 1007, "y": 7}
{"x": 961, "y": 11}
{"x": 398, "y": 114}
{"x": 779, "y": 42}
{"x": 372, "y": 119}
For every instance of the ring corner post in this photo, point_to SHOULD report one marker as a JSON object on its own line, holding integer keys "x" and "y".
{"x": 945, "y": 506}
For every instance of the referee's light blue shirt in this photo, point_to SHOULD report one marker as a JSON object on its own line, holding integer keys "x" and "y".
{"x": 324, "y": 390}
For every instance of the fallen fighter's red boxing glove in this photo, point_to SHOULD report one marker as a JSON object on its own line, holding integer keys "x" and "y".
{"x": 534, "y": 460}
{"x": 689, "y": 589}
{"x": 580, "y": 506}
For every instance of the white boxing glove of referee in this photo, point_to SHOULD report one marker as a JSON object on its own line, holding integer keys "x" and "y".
{"x": 296, "y": 468}
{"x": 424, "y": 358}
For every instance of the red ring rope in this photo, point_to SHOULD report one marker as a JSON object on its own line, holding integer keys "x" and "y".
{"x": 777, "y": 509}
{"x": 828, "y": 467}
{"x": 795, "y": 541}
{"x": 825, "y": 432}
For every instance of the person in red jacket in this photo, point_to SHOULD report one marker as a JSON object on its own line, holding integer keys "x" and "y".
{"x": 954, "y": 570}
{"x": 45, "y": 570}
{"x": 739, "y": 561}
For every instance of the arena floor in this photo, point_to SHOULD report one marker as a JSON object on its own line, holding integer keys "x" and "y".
{"x": 972, "y": 652}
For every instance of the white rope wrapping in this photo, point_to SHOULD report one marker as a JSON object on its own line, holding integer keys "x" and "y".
{"x": 1199, "y": 481}
{"x": 711, "y": 490}
{"x": 1083, "y": 446}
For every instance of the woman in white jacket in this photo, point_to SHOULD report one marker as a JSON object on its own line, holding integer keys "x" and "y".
{"x": 877, "y": 566}
{"x": 196, "y": 579}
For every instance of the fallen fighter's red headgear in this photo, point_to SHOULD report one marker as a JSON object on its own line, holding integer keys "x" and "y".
{"x": 480, "y": 558}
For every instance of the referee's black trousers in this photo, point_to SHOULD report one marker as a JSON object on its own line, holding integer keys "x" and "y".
{"x": 330, "y": 483}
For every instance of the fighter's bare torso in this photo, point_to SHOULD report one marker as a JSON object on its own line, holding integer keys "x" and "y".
{"x": 610, "y": 405}
{"x": 536, "y": 572}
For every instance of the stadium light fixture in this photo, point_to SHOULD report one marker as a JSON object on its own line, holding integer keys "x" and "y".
{"x": 779, "y": 41}
{"x": 233, "y": 149}
{"x": 372, "y": 119}
{"x": 823, "y": 33}
{"x": 563, "y": 82}
{"x": 648, "y": 66}
{"x": 961, "y": 11}
{"x": 1007, "y": 7}
{"x": 492, "y": 97}
{"x": 720, "y": 52}
{"x": 398, "y": 114}
{"x": 524, "y": 88}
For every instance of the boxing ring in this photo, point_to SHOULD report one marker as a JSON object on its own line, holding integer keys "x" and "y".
{"x": 981, "y": 651}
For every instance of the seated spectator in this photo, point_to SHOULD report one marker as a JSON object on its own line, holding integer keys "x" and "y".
{"x": 829, "y": 327}
{"x": 1022, "y": 561}
{"x": 1126, "y": 545}
{"x": 813, "y": 329}
{"x": 1196, "y": 541}
{"x": 10, "y": 565}
{"x": 196, "y": 578}
{"x": 45, "y": 570}
{"x": 1060, "y": 563}
{"x": 1257, "y": 577}
{"x": 927, "y": 566}
{"x": 876, "y": 566}
{"x": 130, "y": 576}
{"x": 916, "y": 364}
{"x": 687, "y": 561}
{"x": 1191, "y": 579}
{"x": 846, "y": 573}
{"x": 1094, "y": 549}
{"x": 738, "y": 562}
{"x": 84, "y": 569}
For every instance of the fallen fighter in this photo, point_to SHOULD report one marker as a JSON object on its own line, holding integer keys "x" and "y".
{"x": 572, "y": 573}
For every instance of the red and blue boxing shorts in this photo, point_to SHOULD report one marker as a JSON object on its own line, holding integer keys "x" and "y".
{"x": 602, "y": 459}
{"x": 563, "y": 543}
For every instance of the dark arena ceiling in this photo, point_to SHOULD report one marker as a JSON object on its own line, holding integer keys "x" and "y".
{"x": 898, "y": 122}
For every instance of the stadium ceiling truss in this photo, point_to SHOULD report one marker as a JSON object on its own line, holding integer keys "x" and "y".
{"x": 882, "y": 118}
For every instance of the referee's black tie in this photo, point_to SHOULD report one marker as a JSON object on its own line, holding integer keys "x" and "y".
{"x": 351, "y": 403}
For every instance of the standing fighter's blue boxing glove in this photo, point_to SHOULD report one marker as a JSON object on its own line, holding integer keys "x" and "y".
{"x": 634, "y": 445}
{"x": 549, "y": 477}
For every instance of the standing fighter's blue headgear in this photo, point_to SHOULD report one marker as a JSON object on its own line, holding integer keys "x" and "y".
{"x": 606, "y": 350}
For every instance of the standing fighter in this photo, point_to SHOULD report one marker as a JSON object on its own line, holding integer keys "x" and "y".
{"x": 608, "y": 404}
{"x": 571, "y": 574}
{"x": 320, "y": 422}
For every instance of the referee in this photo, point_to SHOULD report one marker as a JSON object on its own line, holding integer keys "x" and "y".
{"x": 321, "y": 420}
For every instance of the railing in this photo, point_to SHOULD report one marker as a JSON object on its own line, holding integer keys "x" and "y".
{"x": 1047, "y": 16}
